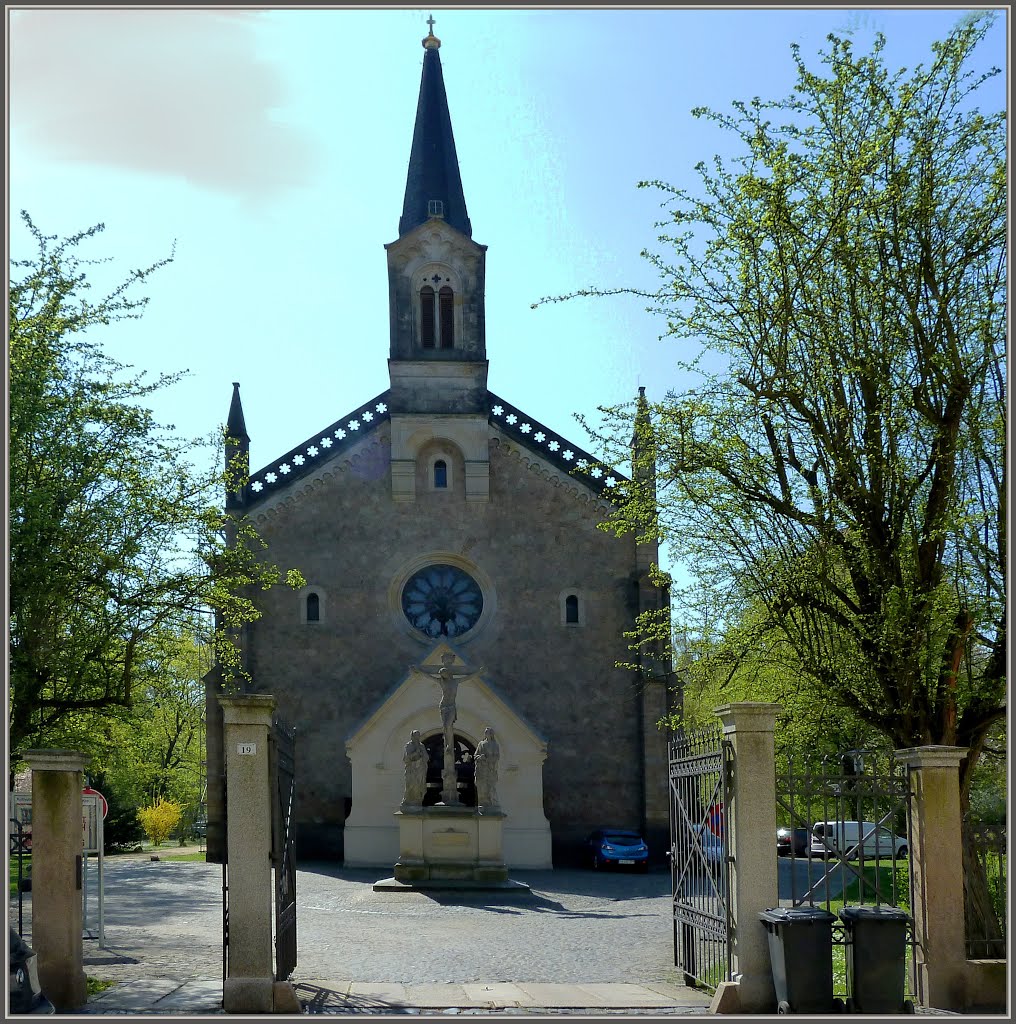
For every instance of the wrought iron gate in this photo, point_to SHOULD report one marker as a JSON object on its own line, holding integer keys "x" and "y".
{"x": 848, "y": 817}
{"x": 832, "y": 803}
{"x": 20, "y": 847}
{"x": 225, "y": 878}
{"x": 700, "y": 767}
{"x": 282, "y": 768}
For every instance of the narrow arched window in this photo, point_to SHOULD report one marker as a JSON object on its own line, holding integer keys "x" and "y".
{"x": 427, "y": 316}
{"x": 571, "y": 609}
{"x": 447, "y": 307}
{"x": 313, "y": 608}
{"x": 440, "y": 474}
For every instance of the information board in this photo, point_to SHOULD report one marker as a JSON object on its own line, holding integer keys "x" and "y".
{"x": 91, "y": 820}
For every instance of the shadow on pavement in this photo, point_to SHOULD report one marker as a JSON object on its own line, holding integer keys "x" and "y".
{"x": 517, "y": 905}
{"x": 801, "y": 879}
{"x": 323, "y": 1000}
{"x": 612, "y": 885}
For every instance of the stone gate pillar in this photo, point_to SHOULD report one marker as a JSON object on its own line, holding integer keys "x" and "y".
{"x": 57, "y": 874}
{"x": 750, "y": 822}
{"x": 936, "y": 858}
{"x": 249, "y": 986}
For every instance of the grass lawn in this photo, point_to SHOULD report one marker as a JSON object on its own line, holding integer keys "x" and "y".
{"x": 26, "y": 863}
{"x": 885, "y": 880}
{"x": 182, "y": 856}
{"x": 881, "y": 884}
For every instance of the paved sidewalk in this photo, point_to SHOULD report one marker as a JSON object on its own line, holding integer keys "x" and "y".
{"x": 204, "y": 998}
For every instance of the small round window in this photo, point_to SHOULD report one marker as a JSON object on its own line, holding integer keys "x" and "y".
{"x": 442, "y": 600}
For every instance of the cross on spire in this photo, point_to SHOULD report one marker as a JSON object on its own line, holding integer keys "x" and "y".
{"x": 430, "y": 24}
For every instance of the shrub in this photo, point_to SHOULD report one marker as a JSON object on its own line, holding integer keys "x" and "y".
{"x": 159, "y": 820}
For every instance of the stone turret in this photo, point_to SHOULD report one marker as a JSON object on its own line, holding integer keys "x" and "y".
{"x": 237, "y": 462}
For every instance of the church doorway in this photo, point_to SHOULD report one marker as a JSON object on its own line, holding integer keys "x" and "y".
{"x": 464, "y": 751}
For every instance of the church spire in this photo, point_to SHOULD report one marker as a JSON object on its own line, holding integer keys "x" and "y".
{"x": 235, "y": 426}
{"x": 433, "y": 185}
{"x": 643, "y": 447}
{"x": 237, "y": 452}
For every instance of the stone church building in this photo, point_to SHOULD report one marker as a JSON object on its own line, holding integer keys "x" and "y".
{"x": 438, "y": 519}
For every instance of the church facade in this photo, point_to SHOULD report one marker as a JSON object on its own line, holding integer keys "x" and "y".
{"x": 435, "y": 524}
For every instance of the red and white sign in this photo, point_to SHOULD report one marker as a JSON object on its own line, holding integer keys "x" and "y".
{"x": 88, "y": 791}
{"x": 716, "y": 819}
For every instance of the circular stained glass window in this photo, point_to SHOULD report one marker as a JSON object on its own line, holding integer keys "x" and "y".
{"x": 442, "y": 600}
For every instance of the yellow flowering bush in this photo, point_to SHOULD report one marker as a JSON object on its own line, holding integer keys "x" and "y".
{"x": 160, "y": 819}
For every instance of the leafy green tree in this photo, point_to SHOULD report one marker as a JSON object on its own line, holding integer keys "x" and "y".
{"x": 121, "y": 830}
{"x": 117, "y": 536}
{"x": 844, "y": 468}
{"x": 747, "y": 663}
{"x": 841, "y": 466}
{"x": 155, "y": 749}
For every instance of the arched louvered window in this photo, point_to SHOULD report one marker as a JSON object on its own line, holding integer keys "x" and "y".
{"x": 447, "y": 307}
{"x": 440, "y": 474}
{"x": 313, "y": 608}
{"x": 427, "y": 317}
{"x": 571, "y": 609}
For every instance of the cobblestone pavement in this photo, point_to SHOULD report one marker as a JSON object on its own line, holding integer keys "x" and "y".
{"x": 357, "y": 947}
{"x": 580, "y": 942}
{"x": 575, "y": 926}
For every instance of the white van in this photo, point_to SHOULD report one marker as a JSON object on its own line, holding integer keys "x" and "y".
{"x": 846, "y": 838}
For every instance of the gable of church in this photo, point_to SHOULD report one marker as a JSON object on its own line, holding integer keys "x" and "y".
{"x": 340, "y": 439}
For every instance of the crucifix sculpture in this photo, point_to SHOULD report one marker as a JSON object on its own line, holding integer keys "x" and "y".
{"x": 449, "y": 684}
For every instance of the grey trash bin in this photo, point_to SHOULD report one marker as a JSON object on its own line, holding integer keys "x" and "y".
{"x": 801, "y": 953}
{"x": 876, "y": 959}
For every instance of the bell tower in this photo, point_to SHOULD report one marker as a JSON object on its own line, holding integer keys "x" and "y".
{"x": 438, "y": 358}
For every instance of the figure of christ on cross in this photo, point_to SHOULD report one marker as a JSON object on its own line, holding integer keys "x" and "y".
{"x": 449, "y": 683}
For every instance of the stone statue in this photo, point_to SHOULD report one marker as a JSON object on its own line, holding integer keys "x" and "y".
{"x": 449, "y": 688}
{"x": 415, "y": 760}
{"x": 485, "y": 761}
{"x": 449, "y": 684}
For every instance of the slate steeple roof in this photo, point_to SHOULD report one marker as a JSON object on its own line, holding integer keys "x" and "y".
{"x": 235, "y": 426}
{"x": 433, "y": 165}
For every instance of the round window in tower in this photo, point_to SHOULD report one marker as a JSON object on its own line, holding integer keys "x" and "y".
{"x": 442, "y": 600}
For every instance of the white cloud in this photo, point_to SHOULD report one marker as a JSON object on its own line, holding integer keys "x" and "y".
{"x": 179, "y": 93}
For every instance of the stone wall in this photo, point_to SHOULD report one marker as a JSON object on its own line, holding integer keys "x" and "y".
{"x": 534, "y": 540}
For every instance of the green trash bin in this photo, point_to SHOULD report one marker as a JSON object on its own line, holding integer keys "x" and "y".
{"x": 876, "y": 959}
{"x": 801, "y": 953}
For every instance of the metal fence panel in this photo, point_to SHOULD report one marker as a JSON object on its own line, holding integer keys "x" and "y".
{"x": 699, "y": 774}
{"x": 989, "y": 846}
{"x": 283, "y": 775}
{"x": 855, "y": 808}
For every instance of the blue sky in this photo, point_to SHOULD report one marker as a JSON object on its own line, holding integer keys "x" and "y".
{"x": 271, "y": 147}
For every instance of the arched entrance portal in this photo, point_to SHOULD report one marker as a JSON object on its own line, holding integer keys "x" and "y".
{"x": 464, "y": 751}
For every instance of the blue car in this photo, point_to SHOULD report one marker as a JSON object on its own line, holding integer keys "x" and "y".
{"x": 618, "y": 846}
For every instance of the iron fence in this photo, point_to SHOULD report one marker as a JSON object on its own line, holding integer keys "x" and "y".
{"x": 986, "y": 940}
{"x": 282, "y": 761}
{"x": 20, "y": 848}
{"x": 700, "y": 766}
{"x": 849, "y": 819}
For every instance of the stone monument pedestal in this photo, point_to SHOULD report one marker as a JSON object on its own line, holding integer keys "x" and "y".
{"x": 450, "y": 847}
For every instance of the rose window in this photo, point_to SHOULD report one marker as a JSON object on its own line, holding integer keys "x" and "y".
{"x": 442, "y": 600}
